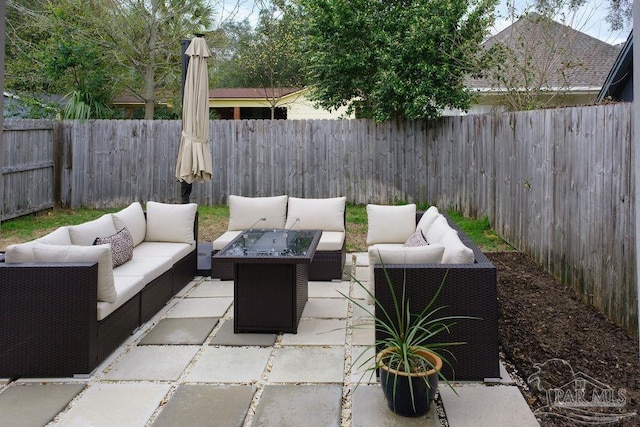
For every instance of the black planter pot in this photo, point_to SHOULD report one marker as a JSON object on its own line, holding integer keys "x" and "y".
{"x": 400, "y": 398}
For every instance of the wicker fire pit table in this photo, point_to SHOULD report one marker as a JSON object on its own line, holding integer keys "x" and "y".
{"x": 270, "y": 278}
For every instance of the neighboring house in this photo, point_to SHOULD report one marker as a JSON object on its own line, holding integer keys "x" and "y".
{"x": 545, "y": 64}
{"x": 250, "y": 103}
{"x": 618, "y": 85}
{"x": 257, "y": 103}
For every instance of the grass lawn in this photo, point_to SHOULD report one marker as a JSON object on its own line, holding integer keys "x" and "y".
{"x": 213, "y": 222}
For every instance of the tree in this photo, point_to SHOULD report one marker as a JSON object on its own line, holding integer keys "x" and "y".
{"x": 272, "y": 60}
{"x": 144, "y": 36}
{"x": 120, "y": 45}
{"x": 393, "y": 59}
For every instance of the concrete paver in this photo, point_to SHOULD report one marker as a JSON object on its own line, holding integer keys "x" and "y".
{"x": 308, "y": 365}
{"x": 490, "y": 406}
{"x": 115, "y": 404}
{"x": 230, "y": 365}
{"x": 206, "y": 405}
{"x": 201, "y": 307}
{"x": 212, "y": 289}
{"x": 326, "y": 308}
{"x": 317, "y": 332}
{"x": 308, "y": 405}
{"x": 44, "y": 402}
{"x": 180, "y": 331}
{"x": 152, "y": 363}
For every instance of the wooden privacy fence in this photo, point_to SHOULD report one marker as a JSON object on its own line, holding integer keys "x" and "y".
{"x": 556, "y": 184}
{"x": 28, "y": 172}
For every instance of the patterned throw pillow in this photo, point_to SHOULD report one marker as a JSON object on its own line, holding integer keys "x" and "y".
{"x": 121, "y": 246}
{"x": 415, "y": 240}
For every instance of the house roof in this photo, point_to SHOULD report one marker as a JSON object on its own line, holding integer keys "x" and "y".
{"x": 251, "y": 93}
{"x": 620, "y": 74}
{"x": 563, "y": 57}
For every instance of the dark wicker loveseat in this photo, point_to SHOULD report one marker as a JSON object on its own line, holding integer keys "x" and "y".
{"x": 48, "y": 315}
{"x": 469, "y": 290}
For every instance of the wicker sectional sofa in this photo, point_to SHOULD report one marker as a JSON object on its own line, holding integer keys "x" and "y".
{"x": 327, "y": 215}
{"x": 470, "y": 287}
{"x": 64, "y": 307}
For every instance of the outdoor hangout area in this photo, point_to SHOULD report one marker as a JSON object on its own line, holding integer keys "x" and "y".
{"x": 169, "y": 343}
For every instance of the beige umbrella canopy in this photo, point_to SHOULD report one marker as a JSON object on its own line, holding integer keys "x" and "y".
{"x": 194, "y": 156}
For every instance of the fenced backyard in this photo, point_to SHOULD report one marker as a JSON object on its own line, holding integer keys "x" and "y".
{"x": 556, "y": 184}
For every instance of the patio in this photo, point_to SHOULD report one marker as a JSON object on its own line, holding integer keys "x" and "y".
{"x": 186, "y": 367}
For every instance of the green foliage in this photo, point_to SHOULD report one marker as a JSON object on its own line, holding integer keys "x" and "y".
{"x": 393, "y": 59}
{"x": 480, "y": 232}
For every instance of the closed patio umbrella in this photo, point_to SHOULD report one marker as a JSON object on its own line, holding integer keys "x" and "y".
{"x": 194, "y": 155}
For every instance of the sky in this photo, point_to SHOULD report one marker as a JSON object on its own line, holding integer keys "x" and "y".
{"x": 590, "y": 19}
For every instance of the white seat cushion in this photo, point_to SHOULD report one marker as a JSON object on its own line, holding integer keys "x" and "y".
{"x": 316, "y": 214}
{"x": 225, "y": 239}
{"x": 132, "y": 217}
{"x": 175, "y": 251}
{"x": 149, "y": 267}
{"x": 23, "y": 252}
{"x": 86, "y": 233}
{"x": 170, "y": 222}
{"x": 390, "y": 224}
{"x": 126, "y": 288}
{"x": 455, "y": 252}
{"x": 331, "y": 241}
{"x": 256, "y": 212}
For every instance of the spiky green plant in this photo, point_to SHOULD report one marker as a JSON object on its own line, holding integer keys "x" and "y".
{"x": 407, "y": 334}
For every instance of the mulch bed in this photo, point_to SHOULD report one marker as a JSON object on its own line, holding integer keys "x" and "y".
{"x": 541, "y": 321}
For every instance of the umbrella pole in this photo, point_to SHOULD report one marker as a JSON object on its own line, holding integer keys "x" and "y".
{"x": 185, "y": 191}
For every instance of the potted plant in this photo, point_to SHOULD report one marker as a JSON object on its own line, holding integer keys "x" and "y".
{"x": 408, "y": 360}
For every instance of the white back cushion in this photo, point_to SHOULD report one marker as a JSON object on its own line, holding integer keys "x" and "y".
{"x": 427, "y": 219}
{"x": 84, "y": 234}
{"x": 437, "y": 229}
{"x": 455, "y": 252}
{"x": 170, "y": 222}
{"x": 23, "y": 252}
{"x": 390, "y": 224}
{"x": 132, "y": 217}
{"x": 72, "y": 253}
{"x": 247, "y": 212}
{"x": 316, "y": 214}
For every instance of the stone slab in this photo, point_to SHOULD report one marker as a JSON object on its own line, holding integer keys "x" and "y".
{"x": 152, "y": 362}
{"x": 308, "y": 365}
{"x": 35, "y": 404}
{"x": 318, "y": 332}
{"x": 226, "y": 336}
{"x": 230, "y": 365}
{"x": 212, "y": 289}
{"x": 486, "y": 406}
{"x": 369, "y": 408}
{"x": 326, "y": 308}
{"x": 308, "y": 405}
{"x": 201, "y": 307}
{"x": 328, "y": 289}
{"x": 115, "y": 404}
{"x": 180, "y": 331}
{"x": 206, "y": 405}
